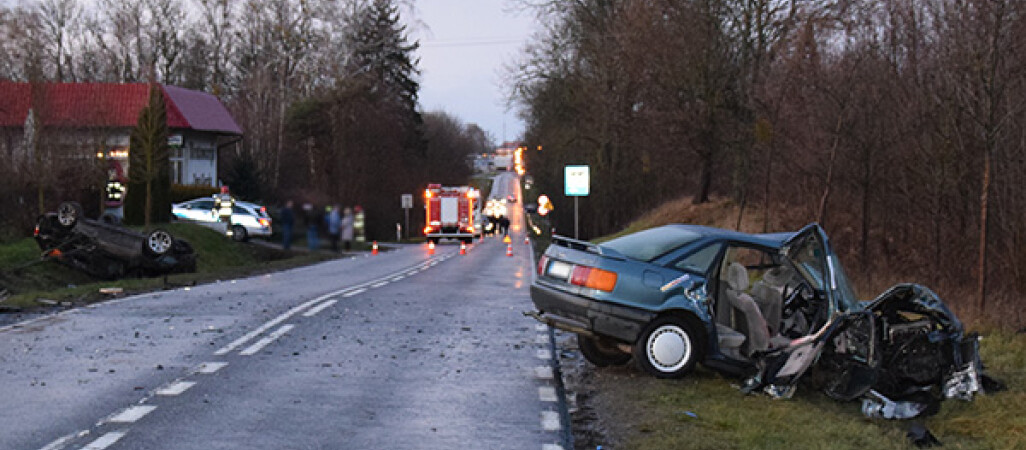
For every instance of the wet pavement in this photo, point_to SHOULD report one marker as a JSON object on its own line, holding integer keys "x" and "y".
{"x": 399, "y": 350}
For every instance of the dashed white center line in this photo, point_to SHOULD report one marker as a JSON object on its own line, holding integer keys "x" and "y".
{"x": 377, "y": 285}
{"x": 412, "y": 272}
{"x": 60, "y": 442}
{"x": 356, "y": 292}
{"x": 317, "y": 309}
{"x": 175, "y": 388}
{"x": 547, "y": 394}
{"x": 132, "y": 414}
{"x": 550, "y": 420}
{"x": 544, "y": 354}
{"x": 259, "y": 345}
{"x": 208, "y": 368}
{"x": 267, "y": 326}
{"x": 397, "y": 278}
{"x": 105, "y": 441}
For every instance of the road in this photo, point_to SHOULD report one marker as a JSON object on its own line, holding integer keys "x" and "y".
{"x": 404, "y": 349}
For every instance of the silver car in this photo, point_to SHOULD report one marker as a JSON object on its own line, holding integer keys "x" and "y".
{"x": 248, "y": 219}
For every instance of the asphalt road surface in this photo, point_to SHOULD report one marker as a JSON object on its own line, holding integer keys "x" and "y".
{"x": 404, "y": 349}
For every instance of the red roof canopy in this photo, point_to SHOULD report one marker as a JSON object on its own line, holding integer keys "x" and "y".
{"x": 110, "y": 105}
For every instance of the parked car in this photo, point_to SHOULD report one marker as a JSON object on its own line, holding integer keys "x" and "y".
{"x": 669, "y": 297}
{"x": 248, "y": 219}
{"x": 108, "y": 250}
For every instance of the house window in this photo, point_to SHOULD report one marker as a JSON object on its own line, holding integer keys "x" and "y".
{"x": 203, "y": 154}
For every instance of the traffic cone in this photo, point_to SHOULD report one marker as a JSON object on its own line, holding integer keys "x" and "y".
{"x": 431, "y": 247}
{"x": 374, "y": 248}
{"x": 463, "y": 248}
{"x": 509, "y": 249}
{"x": 527, "y": 241}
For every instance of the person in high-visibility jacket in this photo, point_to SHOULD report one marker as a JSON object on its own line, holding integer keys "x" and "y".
{"x": 223, "y": 206}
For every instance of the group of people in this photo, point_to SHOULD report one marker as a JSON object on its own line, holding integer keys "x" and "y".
{"x": 338, "y": 223}
{"x": 498, "y": 225}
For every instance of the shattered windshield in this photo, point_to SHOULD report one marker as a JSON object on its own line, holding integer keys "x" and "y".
{"x": 843, "y": 293}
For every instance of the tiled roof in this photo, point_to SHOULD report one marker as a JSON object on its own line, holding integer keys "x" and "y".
{"x": 109, "y": 105}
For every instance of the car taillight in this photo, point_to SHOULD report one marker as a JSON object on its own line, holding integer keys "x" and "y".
{"x": 35, "y": 233}
{"x": 541, "y": 264}
{"x": 265, "y": 223}
{"x": 427, "y": 229}
{"x": 591, "y": 277}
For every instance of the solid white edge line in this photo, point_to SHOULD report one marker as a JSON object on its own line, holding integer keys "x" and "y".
{"x": 208, "y": 368}
{"x": 105, "y": 441}
{"x": 317, "y": 309}
{"x": 176, "y": 388}
{"x": 543, "y": 373}
{"x": 259, "y": 345}
{"x": 551, "y": 447}
{"x": 132, "y": 414}
{"x": 356, "y": 292}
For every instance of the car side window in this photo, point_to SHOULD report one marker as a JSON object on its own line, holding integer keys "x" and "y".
{"x": 205, "y": 204}
{"x": 698, "y": 262}
{"x": 239, "y": 210}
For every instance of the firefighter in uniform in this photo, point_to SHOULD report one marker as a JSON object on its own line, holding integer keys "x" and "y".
{"x": 223, "y": 205}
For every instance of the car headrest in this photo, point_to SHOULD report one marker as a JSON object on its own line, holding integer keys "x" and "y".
{"x": 737, "y": 277}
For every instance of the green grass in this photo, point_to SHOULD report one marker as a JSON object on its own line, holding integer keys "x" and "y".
{"x": 653, "y": 413}
{"x": 217, "y": 258}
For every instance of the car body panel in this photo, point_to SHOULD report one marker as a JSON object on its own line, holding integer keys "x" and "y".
{"x": 245, "y": 214}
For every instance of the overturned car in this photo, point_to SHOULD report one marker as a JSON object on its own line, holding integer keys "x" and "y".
{"x": 765, "y": 307}
{"x": 107, "y": 250}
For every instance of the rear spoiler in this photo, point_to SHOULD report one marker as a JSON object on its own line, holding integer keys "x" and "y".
{"x": 586, "y": 247}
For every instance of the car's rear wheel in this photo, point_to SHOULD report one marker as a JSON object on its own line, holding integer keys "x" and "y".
{"x": 669, "y": 347}
{"x": 68, "y": 214}
{"x": 239, "y": 233}
{"x": 158, "y": 243}
{"x": 602, "y": 352}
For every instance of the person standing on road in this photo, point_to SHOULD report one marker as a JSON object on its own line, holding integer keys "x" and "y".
{"x": 312, "y": 221}
{"x": 287, "y": 218}
{"x": 347, "y": 228}
{"x": 334, "y": 222}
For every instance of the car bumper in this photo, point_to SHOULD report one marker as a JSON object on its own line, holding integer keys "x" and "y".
{"x": 574, "y": 313}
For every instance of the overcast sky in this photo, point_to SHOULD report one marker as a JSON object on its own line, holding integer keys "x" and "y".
{"x": 465, "y": 46}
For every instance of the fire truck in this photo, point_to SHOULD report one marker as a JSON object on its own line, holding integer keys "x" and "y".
{"x": 449, "y": 212}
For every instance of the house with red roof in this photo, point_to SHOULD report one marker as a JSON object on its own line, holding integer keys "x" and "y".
{"x": 95, "y": 120}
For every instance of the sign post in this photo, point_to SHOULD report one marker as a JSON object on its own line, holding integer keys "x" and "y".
{"x": 577, "y": 184}
{"x": 407, "y": 203}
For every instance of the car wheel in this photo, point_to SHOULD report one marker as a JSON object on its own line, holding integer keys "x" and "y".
{"x": 158, "y": 243}
{"x": 602, "y": 352}
{"x": 669, "y": 347}
{"x": 239, "y": 233}
{"x": 68, "y": 214}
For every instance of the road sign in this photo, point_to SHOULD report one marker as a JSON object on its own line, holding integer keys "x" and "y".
{"x": 407, "y": 201}
{"x": 576, "y": 181}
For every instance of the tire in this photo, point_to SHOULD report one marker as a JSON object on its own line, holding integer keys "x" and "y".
{"x": 602, "y": 352}
{"x": 669, "y": 347}
{"x": 68, "y": 214}
{"x": 239, "y": 233}
{"x": 158, "y": 243}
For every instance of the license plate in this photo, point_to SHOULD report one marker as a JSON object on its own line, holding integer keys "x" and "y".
{"x": 559, "y": 269}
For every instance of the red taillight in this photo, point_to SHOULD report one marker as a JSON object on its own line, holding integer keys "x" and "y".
{"x": 35, "y": 232}
{"x": 265, "y": 223}
{"x": 541, "y": 264}
{"x": 427, "y": 229}
{"x": 591, "y": 277}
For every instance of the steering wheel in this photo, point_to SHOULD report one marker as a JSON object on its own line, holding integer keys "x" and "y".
{"x": 801, "y": 291}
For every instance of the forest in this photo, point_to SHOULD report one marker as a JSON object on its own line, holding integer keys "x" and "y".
{"x": 326, "y": 92}
{"x": 896, "y": 124}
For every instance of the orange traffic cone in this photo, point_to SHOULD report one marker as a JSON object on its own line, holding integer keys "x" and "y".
{"x": 431, "y": 247}
{"x": 527, "y": 241}
{"x": 463, "y": 248}
{"x": 509, "y": 249}
{"x": 374, "y": 248}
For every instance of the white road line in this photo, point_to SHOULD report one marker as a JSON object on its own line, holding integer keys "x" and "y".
{"x": 259, "y": 345}
{"x": 132, "y": 414}
{"x": 317, "y": 309}
{"x": 541, "y": 327}
{"x": 412, "y": 272}
{"x": 544, "y": 354}
{"x": 543, "y": 372}
{"x": 63, "y": 441}
{"x": 176, "y": 388}
{"x": 397, "y": 278}
{"x": 552, "y": 447}
{"x": 105, "y": 441}
{"x": 267, "y": 326}
{"x": 541, "y": 339}
{"x": 356, "y": 292}
{"x": 547, "y": 394}
{"x": 208, "y": 368}
{"x": 550, "y": 420}
{"x": 377, "y": 285}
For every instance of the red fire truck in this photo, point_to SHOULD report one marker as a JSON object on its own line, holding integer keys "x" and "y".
{"x": 449, "y": 212}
